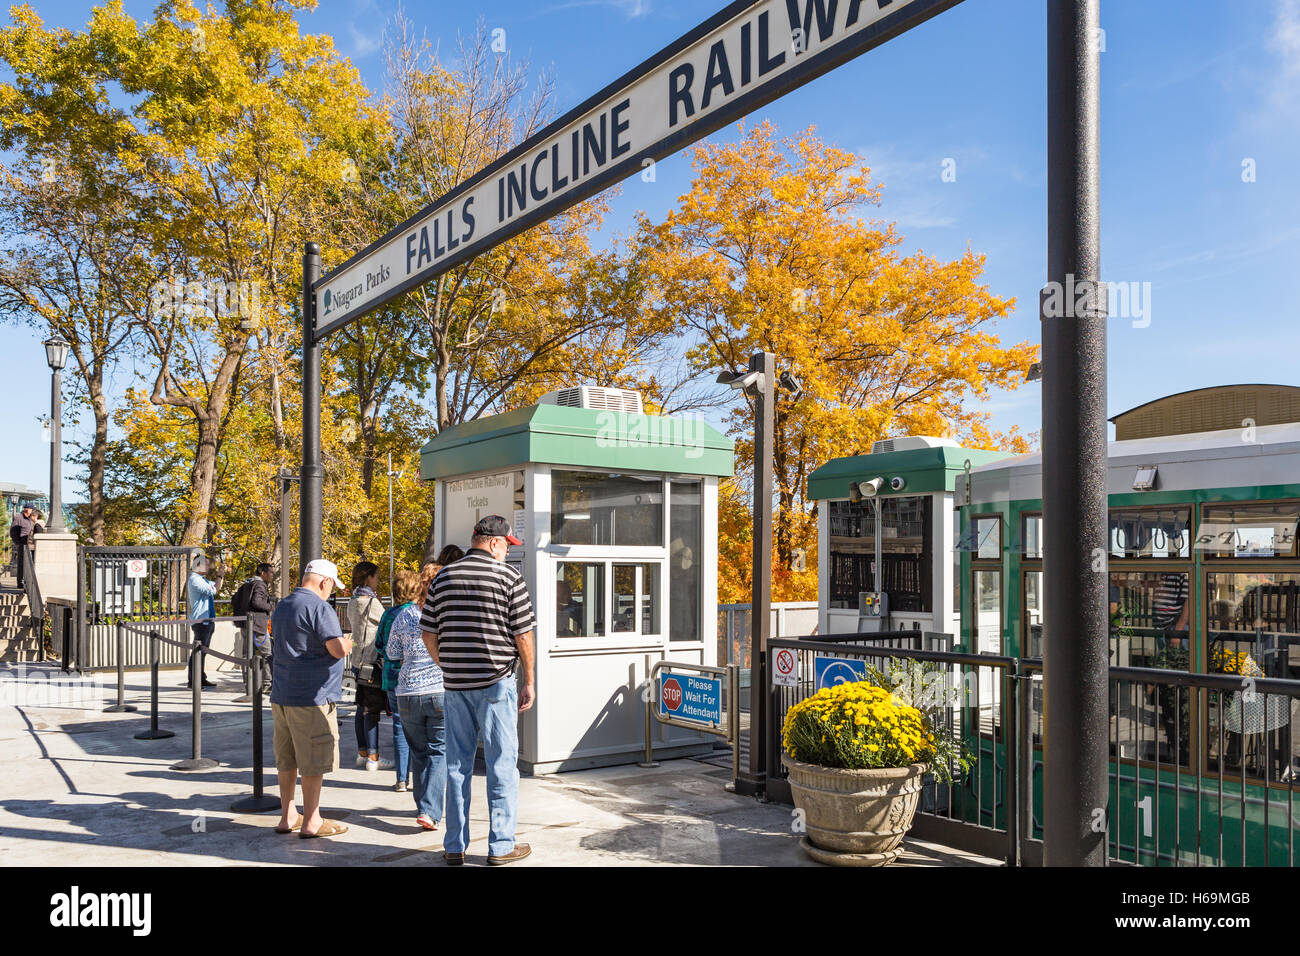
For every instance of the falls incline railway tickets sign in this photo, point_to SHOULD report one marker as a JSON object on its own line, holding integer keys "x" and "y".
{"x": 739, "y": 59}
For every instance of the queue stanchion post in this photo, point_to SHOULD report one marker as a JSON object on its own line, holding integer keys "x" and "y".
{"x": 259, "y": 802}
{"x": 153, "y": 733}
{"x": 649, "y": 762}
{"x": 246, "y": 640}
{"x": 196, "y": 759}
{"x": 121, "y": 707}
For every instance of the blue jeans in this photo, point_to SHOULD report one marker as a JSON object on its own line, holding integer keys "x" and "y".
{"x": 401, "y": 749}
{"x": 493, "y": 714}
{"x": 424, "y": 723}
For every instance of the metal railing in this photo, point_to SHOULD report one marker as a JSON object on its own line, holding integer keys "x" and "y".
{"x": 1203, "y": 767}
{"x": 973, "y": 695}
{"x": 132, "y": 584}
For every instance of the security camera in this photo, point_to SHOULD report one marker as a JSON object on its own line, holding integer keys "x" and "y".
{"x": 898, "y": 484}
{"x": 868, "y": 489}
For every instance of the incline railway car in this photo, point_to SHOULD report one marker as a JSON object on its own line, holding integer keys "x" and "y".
{"x": 1203, "y": 569}
{"x": 1204, "y": 577}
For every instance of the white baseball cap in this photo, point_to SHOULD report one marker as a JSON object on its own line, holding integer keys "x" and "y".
{"x": 326, "y": 569}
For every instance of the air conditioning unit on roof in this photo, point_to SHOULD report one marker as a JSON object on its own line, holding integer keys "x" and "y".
{"x": 910, "y": 443}
{"x": 594, "y": 396}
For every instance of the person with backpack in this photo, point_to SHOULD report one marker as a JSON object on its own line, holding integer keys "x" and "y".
{"x": 406, "y": 585}
{"x": 252, "y": 601}
{"x": 365, "y": 611}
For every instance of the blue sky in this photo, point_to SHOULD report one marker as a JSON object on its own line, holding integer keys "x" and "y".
{"x": 1191, "y": 91}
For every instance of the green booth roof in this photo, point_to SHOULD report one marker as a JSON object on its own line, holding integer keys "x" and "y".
{"x": 925, "y": 470}
{"x": 580, "y": 437}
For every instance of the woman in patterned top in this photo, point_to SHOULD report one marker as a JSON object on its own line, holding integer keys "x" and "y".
{"x": 419, "y": 695}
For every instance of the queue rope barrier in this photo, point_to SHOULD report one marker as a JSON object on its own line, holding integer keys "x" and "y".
{"x": 259, "y": 801}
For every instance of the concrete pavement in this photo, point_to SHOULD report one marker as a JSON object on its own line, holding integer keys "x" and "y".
{"x": 80, "y": 790}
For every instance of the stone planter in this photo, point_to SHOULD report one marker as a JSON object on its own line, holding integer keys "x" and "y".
{"x": 854, "y": 817}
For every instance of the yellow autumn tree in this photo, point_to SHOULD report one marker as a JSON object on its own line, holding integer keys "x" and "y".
{"x": 768, "y": 252}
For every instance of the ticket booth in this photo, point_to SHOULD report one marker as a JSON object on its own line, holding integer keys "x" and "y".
{"x": 617, "y": 511}
{"x": 905, "y": 486}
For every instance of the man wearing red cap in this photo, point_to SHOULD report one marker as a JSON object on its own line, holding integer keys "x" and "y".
{"x": 478, "y": 626}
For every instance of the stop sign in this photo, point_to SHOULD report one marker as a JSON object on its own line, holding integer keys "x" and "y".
{"x": 672, "y": 693}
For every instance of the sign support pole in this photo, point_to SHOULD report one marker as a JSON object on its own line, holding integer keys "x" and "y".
{"x": 310, "y": 488}
{"x": 1075, "y": 650}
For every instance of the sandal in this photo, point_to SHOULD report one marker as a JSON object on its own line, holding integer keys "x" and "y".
{"x": 296, "y": 826}
{"x": 328, "y": 828}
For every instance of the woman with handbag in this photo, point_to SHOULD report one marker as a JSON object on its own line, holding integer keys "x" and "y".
{"x": 365, "y": 611}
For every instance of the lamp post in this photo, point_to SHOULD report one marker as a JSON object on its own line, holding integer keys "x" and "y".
{"x": 56, "y": 354}
{"x": 760, "y": 382}
{"x": 391, "y": 475}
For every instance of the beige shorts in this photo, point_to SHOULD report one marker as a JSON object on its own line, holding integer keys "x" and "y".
{"x": 306, "y": 739}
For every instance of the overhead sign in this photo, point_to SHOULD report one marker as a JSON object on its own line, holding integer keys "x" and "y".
{"x": 830, "y": 671}
{"x": 689, "y": 697}
{"x": 785, "y": 668}
{"x": 742, "y": 57}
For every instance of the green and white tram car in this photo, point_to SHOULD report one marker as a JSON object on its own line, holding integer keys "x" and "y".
{"x": 1204, "y": 577}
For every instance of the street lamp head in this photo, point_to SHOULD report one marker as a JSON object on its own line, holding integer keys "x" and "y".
{"x": 56, "y": 353}
{"x": 741, "y": 380}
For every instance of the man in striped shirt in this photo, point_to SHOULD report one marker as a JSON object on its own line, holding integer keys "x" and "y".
{"x": 478, "y": 626}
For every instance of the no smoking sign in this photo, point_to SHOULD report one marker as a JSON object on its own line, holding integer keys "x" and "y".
{"x": 785, "y": 669}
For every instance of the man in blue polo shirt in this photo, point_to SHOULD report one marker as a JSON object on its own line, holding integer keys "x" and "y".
{"x": 199, "y": 596}
{"x": 308, "y": 650}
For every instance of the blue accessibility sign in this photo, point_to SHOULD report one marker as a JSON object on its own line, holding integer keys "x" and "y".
{"x": 690, "y": 697}
{"x": 830, "y": 671}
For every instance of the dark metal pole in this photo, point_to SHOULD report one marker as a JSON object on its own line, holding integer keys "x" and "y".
{"x": 1073, "y": 312}
{"x": 287, "y": 478}
{"x": 56, "y": 452}
{"x": 196, "y": 761}
{"x": 753, "y": 780}
{"x": 310, "y": 490}
{"x": 153, "y": 733}
{"x": 121, "y": 707}
{"x": 259, "y": 802}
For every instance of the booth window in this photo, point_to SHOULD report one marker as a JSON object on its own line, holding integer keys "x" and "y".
{"x": 636, "y": 602}
{"x": 906, "y": 551}
{"x": 1252, "y": 630}
{"x": 1155, "y": 533}
{"x": 1149, "y": 614}
{"x": 580, "y": 599}
{"x": 605, "y": 509}
{"x": 685, "y": 540}
{"x": 1255, "y": 530}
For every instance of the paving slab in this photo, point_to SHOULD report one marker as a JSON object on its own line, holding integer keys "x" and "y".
{"x": 79, "y": 789}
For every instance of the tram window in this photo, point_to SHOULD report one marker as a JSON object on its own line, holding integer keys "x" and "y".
{"x": 1252, "y": 630}
{"x": 1033, "y": 646}
{"x": 580, "y": 599}
{"x": 988, "y": 612}
{"x": 1150, "y": 532}
{"x": 1149, "y": 628}
{"x": 987, "y": 534}
{"x": 1254, "y": 530}
{"x": 594, "y": 508}
{"x": 1032, "y": 536}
